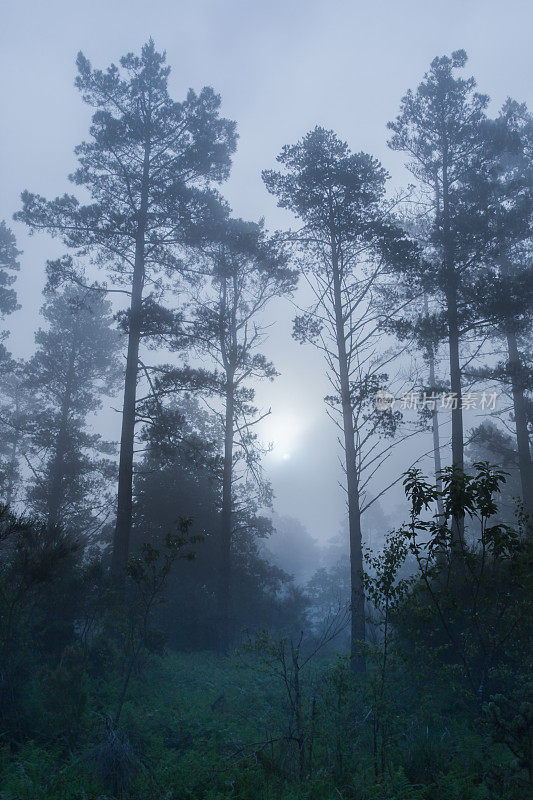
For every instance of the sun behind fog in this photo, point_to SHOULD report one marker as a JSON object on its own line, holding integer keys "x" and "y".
{"x": 283, "y": 431}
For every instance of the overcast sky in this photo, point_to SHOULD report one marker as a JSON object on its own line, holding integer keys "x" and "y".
{"x": 281, "y": 67}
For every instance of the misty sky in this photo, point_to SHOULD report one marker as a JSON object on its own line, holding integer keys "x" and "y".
{"x": 281, "y": 68}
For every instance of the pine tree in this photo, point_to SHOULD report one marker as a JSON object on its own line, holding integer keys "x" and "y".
{"x": 17, "y": 406}
{"x": 247, "y": 270}
{"x": 180, "y": 475}
{"x": 506, "y": 302}
{"x": 347, "y": 240}
{"x": 439, "y": 129}
{"x": 74, "y": 365}
{"x": 8, "y": 297}
{"x": 146, "y": 168}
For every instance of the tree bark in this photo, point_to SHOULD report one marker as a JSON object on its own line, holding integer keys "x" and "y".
{"x": 525, "y": 463}
{"x": 458, "y": 524}
{"x": 453, "y": 337}
{"x": 57, "y": 473}
{"x": 10, "y": 492}
{"x": 437, "y": 463}
{"x": 357, "y": 600}
{"x": 122, "y": 536}
{"x": 121, "y": 541}
{"x": 455, "y": 383}
{"x": 226, "y": 632}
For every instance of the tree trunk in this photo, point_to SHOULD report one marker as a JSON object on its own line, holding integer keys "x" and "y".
{"x": 453, "y": 323}
{"x": 458, "y": 524}
{"x": 57, "y": 472}
{"x": 121, "y": 541}
{"x": 437, "y": 464}
{"x": 520, "y": 415}
{"x": 436, "y": 459}
{"x": 226, "y": 631}
{"x": 297, "y": 703}
{"x": 455, "y": 384}
{"x": 453, "y": 339}
{"x": 10, "y": 491}
{"x": 356, "y": 552}
{"x": 357, "y": 599}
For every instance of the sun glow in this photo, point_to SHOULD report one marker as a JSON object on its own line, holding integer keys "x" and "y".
{"x": 283, "y": 432}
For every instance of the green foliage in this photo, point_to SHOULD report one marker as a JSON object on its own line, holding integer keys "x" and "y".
{"x": 134, "y": 115}
{"x": 75, "y": 364}
{"x": 149, "y": 571}
{"x": 39, "y": 573}
{"x": 181, "y": 473}
{"x": 470, "y": 608}
{"x": 8, "y": 264}
{"x": 65, "y": 695}
{"x": 93, "y": 703}
{"x": 511, "y": 723}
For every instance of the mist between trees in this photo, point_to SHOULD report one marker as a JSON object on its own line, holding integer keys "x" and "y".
{"x": 163, "y": 634}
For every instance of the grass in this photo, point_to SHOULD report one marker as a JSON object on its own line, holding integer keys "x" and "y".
{"x": 204, "y": 727}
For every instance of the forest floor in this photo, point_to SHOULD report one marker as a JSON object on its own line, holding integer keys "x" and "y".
{"x": 199, "y": 726}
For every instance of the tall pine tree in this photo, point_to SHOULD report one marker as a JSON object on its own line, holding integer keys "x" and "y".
{"x": 439, "y": 129}
{"x": 247, "y": 270}
{"x": 74, "y": 365}
{"x": 147, "y": 168}
{"x": 347, "y": 240}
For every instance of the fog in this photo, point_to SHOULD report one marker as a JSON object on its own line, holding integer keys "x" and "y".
{"x": 266, "y": 400}
{"x": 281, "y": 68}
